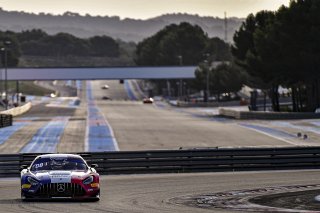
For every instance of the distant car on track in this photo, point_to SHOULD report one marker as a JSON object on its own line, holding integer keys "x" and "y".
{"x": 59, "y": 176}
{"x": 105, "y": 98}
{"x": 148, "y": 100}
{"x": 105, "y": 86}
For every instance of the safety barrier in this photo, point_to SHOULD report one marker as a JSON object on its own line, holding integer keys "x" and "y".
{"x": 204, "y": 104}
{"x": 18, "y": 110}
{"x": 267, "y": 115}
{"x": 179, "y": 161}
{"x": 5, "y": 120}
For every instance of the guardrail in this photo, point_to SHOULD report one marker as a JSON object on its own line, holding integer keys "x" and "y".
{"x": 267, "y": 115}
{"x": 205, "y": 104}
{"x": 179, "y": 161}
{"x": 5, "y": 120}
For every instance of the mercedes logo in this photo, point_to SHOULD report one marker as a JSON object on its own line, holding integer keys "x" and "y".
{"x": 60, "y": 187}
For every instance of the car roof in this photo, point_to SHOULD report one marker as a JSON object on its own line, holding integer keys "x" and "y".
{"x": 59, "y": 156}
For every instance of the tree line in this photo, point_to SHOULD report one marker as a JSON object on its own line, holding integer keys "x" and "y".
{"x": 282, "y": 48}
{"x": 270, "y": 49}
{"x": 176, "y": 44}
{"x": 187, "y": 44}
{"x": 38, "y": 43}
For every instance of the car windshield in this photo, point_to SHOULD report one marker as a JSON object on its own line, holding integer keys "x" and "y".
{"x": 72, "y": 164}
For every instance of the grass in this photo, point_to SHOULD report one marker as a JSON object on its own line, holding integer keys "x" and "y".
{"x": 26, "y": 88}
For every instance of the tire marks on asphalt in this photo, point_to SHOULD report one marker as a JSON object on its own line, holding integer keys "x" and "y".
{"x": 99, "y": 134}
{"x": 21, "y": 137}
{"x": 281, "y": 135}
{"x": 286, "y": 131}
{"x": 47, "y": 137}
{"x": 269, "y": 199}
{"x": 7, "y": 132}
{"x": 129, "y": 91}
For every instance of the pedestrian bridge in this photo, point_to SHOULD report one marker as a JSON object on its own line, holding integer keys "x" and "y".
{"x": 97, "y": 73}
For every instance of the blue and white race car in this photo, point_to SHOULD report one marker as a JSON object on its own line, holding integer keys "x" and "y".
{"x": 59, "y": 176}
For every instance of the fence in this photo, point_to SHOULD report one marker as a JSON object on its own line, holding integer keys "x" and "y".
{"x": 6, "y": 116}
{"x": 5, "y": 120}
{"x": 179, "y": 161}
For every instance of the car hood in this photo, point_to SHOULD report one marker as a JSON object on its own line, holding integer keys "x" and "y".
{"x": 60, "y": 176}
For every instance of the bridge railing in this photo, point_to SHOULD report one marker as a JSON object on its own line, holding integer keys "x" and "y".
{"x": 179, "y": 161}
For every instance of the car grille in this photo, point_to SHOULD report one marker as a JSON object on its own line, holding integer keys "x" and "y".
{"x": 61, "y": 190}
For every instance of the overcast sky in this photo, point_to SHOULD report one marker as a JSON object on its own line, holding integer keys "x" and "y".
{"x": 143, "y": 9}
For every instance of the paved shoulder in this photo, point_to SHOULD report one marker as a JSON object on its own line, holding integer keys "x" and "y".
{"x": 20, "y": 138}
{"x": 73, "y": 137}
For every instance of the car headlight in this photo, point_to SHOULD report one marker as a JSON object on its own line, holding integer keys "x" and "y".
{"x": 94, "y": 185}
{"x": 26, "y": 186}
{"x": 32, "y": 181}
{"x": 88, "y": 180}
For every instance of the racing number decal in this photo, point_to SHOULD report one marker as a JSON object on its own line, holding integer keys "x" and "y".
{"x": 38, "y": 165}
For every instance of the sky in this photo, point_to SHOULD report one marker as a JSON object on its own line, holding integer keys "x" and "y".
{"x": 143, "y": 9}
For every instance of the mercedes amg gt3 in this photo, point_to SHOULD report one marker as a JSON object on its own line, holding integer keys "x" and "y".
{"x": 61, "y": 176}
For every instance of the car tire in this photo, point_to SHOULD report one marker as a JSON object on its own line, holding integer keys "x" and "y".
{"x": 97, "y": 197}
{"x": 23, "y": 197}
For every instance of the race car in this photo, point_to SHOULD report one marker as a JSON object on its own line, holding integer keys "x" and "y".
{"x": 61, "y": 176}
{"x": 147, "y": 100}
{"x": 105, "y": 86}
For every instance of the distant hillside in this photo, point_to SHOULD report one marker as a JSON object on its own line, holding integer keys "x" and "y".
{"x": 124, "y": 29}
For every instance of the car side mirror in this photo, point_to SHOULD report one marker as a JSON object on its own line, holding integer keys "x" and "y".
{"x": 94, "y": 165}
{"x": 23, "y": 167}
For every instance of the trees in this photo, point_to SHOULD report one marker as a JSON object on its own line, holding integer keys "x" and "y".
{"x": 41, "y": 49}
{"x": 31, "y": 35}
{"x": 182, "y": 44}
{"x": 13, "y": 49}
{"x": 103, "y": 46}
{"x": 167, "y": 45}
{"x": 185, "y": 44}
{"x": 283, "y": 48}
{"x": 226, "y": 78}
{"x": 218, "y": 50}
{"x": 223, "y": 78}
{"x": 299, "y": 34}
{"x": 38, "y": 43}
{"x": 256, "y": 51}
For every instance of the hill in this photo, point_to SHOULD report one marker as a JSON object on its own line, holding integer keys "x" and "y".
{"x": 124, "y": 29}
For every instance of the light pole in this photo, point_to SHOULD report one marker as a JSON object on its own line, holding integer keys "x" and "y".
{"x": 6, "y": 76}
{"x": 207, "y": 64}
{"x": 207, "y": 80}
{"x": 18, "y": 92}
{"x": 5, "y": 49}
{"x": 1, "y": 80}
{"x": 180, "y": 84}
{"x": 169, "y": 88}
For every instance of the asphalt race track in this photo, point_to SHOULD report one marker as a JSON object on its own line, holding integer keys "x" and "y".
{"x": 160, "y": 193}
{"x": 138, "y": 126}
